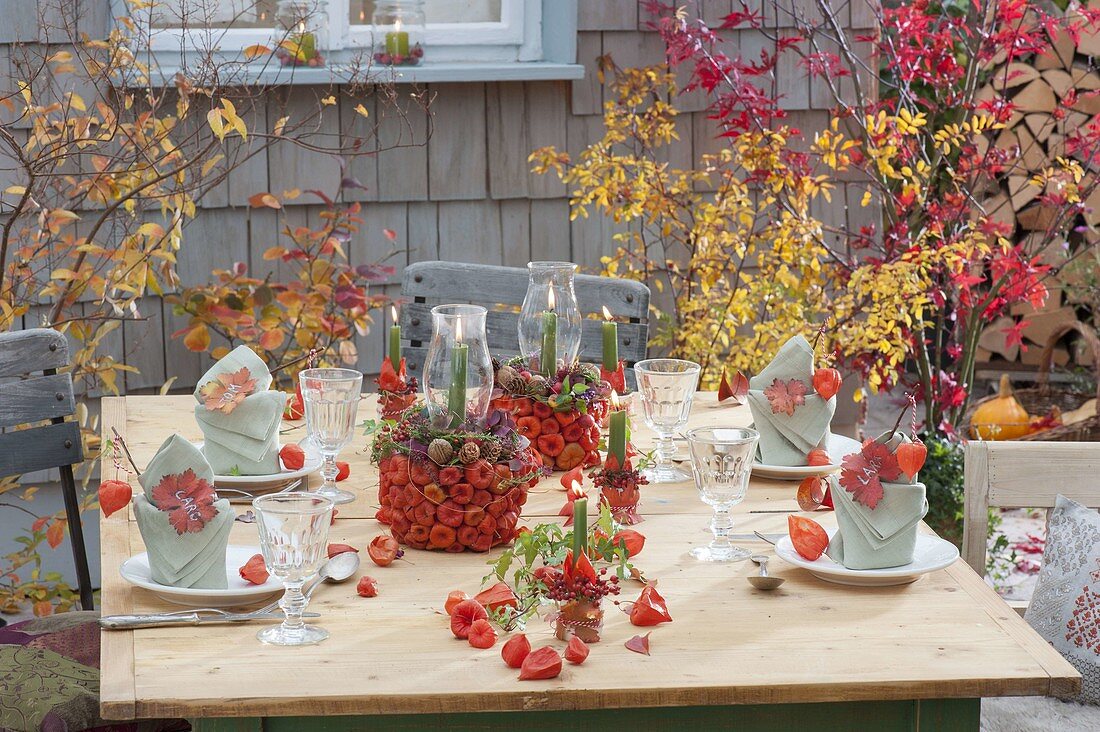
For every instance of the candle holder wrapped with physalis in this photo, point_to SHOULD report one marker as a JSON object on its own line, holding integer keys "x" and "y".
{"x": 560, "y": 415}
{"x": 618, "y": 479}
{"x": 397, "y": 391}
{"x": 453, "y": 474}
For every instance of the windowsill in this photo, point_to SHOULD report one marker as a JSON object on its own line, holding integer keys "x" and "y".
{"x": 426, "y": 73}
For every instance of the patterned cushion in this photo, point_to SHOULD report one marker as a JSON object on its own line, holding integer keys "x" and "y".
{"x": 49, "y": 678}
{"x": 1065, "y": 608}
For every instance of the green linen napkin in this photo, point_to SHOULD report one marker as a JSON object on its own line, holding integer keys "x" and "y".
{"x": 241, "y": 437}
{"x": 786, "y": 439}
{"x": 883, "y": 536}
{"x": 184, "y": 525}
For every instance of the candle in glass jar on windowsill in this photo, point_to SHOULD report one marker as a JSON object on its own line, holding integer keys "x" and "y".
{"x": 397, "y": 42}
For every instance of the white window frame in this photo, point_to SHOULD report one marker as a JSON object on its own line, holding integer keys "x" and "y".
{"x": 517, "y": 37}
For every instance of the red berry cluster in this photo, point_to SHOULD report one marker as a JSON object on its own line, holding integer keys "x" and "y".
{"x": 582, "y": 588}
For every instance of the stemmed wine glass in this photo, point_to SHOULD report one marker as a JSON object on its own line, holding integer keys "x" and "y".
{"x": 331, "y": 399}
{"x": 667, "y": 386}
{"x": 293, "y": 538}
{"x": 721, "y": 462}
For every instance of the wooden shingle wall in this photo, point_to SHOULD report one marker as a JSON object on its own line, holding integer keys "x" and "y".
{"x": 467, "y": 194}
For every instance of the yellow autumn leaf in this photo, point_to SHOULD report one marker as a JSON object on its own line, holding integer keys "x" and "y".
{"x": 214, "y": 119}
{"x": 280, "y": 124}
{"x": 255, "y": 51}
{"x": 329, "y": 100}
{"x": 361, "y": 110}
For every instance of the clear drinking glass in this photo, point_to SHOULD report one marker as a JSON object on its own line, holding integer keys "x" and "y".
{"x": 667, "y": 387}
{"x": 458, "y": 370}
{"x": 331, "y": 398}
{"x": 293, "y": 538}
{"x": 550, "y": 295}
{"x": 721, "y": 461}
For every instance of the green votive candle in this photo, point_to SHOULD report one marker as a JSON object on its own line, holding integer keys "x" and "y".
{"x": 610, "y": 341}
{"x": 397, "y": 42}
{"x": 395, "y": 341}
{"x": 580, "y": 521}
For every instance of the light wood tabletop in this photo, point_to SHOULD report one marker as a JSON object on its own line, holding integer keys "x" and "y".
{"x": 946, "y": 636}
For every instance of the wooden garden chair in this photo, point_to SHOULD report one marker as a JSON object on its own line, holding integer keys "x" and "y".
{"x": 32, "y": 391}
{"x": 501, "y": 291}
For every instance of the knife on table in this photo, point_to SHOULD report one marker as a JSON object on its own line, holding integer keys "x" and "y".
{"x": 129, "y": 622}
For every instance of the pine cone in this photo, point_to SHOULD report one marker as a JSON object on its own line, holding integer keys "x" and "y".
{"x": 538, "y": 386}
{"x": 491, "y": 452}
{"x": 510, "y": 380}
{"x": 440, "y": 451}
{"x": 468, "y": 453}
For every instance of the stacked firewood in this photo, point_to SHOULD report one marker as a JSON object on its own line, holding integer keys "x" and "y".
{"x": 1052, "y": 95}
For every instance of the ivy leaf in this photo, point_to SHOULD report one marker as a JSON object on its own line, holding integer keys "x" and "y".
{"x": 862, "y": 473}
{"x": 785, "y": 396}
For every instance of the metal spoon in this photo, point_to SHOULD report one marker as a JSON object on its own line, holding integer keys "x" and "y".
{"x": 764, "y": 581}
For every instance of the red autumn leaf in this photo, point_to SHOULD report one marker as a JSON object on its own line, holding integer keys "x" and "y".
{"x": 367, "y": 587}
{"x": 481, "y": 634}
{"x": 463, "y": 616}
{"x": 187, "y": 499}
{"x": 862, "y": 472}
{"x": 784, "y": 396}
{"x": 334, "y": 549}
{"x": 225, "y": 391}
{"x": 650, "y": 608}
{"x": 576, "y": 651}
{"x": 56, "y": 533}
{"x": 498, "y": 596}
{"x": 262, "y": 199}
{"x": 254, "y": 571}
{"x": 544, "y": 663}
{"x": 811, "y": 492}
{"x": 515, "y": 650}
{"x": 639, "y": 644}
{"x": 735, "y": 391}
{"x": 390, "y": 234}
{"x": 114, "y": 495}
{"x": 807, "y": 536}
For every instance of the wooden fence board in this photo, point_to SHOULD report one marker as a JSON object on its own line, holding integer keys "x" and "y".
{"x": 403, "y": 160}
{"x": 290, "y": 165}
{"x": 357, "y": 132}
{"x": 587, "y": 93}
{"x": 515, "y": 227}
{"x": 597, "y": 15}
{"x": 143, "y": 341}
{"x": 550, "y": 229}
{"x": 469, "y": 231}
{"x": 423, "y": 239}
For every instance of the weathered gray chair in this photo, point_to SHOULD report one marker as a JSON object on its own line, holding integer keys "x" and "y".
{"x": 27, "y": 399}
{"x": 501, "y": 290}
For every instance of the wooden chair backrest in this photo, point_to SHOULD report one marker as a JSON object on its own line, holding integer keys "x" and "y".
{"x": 37, "y": 393}
{"x": 1023, "y": 475}
{"x": 501, "y": 291}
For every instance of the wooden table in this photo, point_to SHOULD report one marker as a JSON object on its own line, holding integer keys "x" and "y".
{"x": 812, "y": 654}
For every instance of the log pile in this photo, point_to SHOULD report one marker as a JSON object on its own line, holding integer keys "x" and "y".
{"x": 1052, "y": 95}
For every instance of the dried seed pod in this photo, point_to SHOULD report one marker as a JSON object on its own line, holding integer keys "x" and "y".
{"x": 491, "y": 452}
{"x": 468, "y": 453}
{"x": 440, "y": 451}
{"x": 510, "y": 380}
{"x": 538, "y": 386}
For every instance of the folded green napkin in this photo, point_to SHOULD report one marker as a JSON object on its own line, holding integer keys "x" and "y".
{"x": 184, "y": 525}
{"x": 238, "y": 416}
{"x": 883, "y": 536}
{"x": 796, "y": 419}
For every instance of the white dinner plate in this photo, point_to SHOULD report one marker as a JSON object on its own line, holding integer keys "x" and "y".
{"x": 135, "y": 570}
{"x": 273, "y": 481}
{"x": 838, "y": 446}
{"x": 931, "y": 553}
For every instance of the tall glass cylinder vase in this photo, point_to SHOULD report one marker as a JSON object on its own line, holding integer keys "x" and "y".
{"x": 550, "y": 321}
{"x": 458, "y": 371}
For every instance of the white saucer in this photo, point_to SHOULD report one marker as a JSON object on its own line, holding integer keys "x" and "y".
{"x": 838, "y": 446}
{"x": 931, "y": 553}
{"x": 273, "y": 481}
{"x": 135, "y": 570}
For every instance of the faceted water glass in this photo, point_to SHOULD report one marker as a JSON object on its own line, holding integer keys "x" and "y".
{"x": 331, "y": 399}
{"x": 293, "y": 538}
{"x": 721, "y": 462}
{"x": 667, "y": 387}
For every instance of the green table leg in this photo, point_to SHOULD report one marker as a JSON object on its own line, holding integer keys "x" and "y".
{"x": 930, "y": 715}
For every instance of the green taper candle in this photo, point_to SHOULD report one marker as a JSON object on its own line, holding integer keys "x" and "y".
{"x": 548, "y": 356}
{"x": 456, "y": 397}
{"x": 580, "y": 521}
{"x": 617, "y": 432}
{"x": 395, "y": 341}
{"x": 610, "y": 341}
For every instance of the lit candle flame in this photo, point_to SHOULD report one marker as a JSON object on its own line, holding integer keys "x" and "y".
{"x": 397, "y": 26}
{"x": 393, "y": 313}
{"x": 458, "y": 330}
{"x": 606, "y": 313}
{"x": 550, "y": 299}
{"x": 302, "y": 26}
{"x": 577, "y": 491}
{"x": 614, "y": 400}
{"x": 362, "y": 15}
